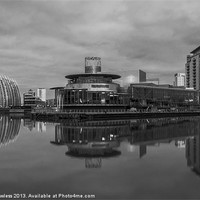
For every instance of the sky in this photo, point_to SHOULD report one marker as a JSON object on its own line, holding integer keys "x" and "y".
{"x": 41, "y": 41}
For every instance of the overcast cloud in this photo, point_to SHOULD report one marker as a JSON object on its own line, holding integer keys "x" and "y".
{"x": 42, "y": 41}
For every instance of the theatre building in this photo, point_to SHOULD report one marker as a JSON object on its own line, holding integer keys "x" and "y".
{"x": 91, "y": 91}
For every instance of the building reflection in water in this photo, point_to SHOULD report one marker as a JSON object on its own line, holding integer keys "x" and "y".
{"x": 94, "y": 140}
{"x": 193, "y": 153}
{"x": 33, "y": 125}
{"x": 156, "y": 131}
{"x": 91, "y": 140}
{"x": 9, "y": 127}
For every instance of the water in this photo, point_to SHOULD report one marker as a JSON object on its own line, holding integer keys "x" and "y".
{"x": 121, "y": 159}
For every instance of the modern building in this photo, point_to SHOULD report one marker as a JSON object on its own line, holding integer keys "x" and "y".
{"x": 31, "y": 100}
{"x": 92, "y": 90}
{"x": 9, "y": 93}
{"x": 143, "y": 78}
{"x": 179, "y": 79}
{"x": 163, "y": 96}
{"x": 192, "y": 69}
{"x": 41, "y": 93}
{"x": 58, "y": 101}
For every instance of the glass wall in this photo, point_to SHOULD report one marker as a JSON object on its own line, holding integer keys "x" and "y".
{"x": 164, "y": 96}
{"x": 84, "y": 96}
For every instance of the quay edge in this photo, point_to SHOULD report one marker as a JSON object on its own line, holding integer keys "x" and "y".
{"x": 109, "y": 115}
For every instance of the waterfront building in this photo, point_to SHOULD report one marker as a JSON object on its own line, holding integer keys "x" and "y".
{"x": 9, "y": 92}
{"x": 31, "y": 100}
{"x": 192, "y": 69}
{"x": 41, "y": 93}
{"x": 179, "y": 79}
{"x": 92, "y": 90}
{"x": 58, "y": 100}
{"x": 151, "y": 95}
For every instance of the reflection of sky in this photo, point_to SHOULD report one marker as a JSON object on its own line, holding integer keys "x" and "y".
{"x": 32, "y": 164}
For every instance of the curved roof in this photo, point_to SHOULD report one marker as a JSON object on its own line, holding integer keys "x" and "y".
{"x": 113, "y": 76}
{"x": 9, "y": 92}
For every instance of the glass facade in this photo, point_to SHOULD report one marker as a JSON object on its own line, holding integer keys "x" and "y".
{"x": 163, "y": 96}
{"x": 96, "y": 90}
{"x": 92, "y": 79}
{"x": 92, "y": 97}
{"x": 9, "y": 93}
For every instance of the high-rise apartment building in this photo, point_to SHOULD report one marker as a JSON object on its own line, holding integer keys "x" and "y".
{"x": 41, "y": 93}
{"x": 192, "y": 69}
{"x": 179, "y": 79}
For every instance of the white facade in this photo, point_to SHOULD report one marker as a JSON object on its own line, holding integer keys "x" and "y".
{"x": 179, "y": 79}
{"x": 41, "y": 93}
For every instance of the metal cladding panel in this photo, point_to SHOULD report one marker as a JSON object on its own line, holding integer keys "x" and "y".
{"x": 92, "y": 65}
{"x": 9, "y": 92}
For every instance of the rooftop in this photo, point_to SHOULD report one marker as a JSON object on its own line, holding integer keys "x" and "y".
{"x": 164, "y": 86}
{"x": 73, "y": 76}
{"x": 56, "y": 88}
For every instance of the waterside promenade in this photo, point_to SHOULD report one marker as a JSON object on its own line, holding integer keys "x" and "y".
{"x": 56, "y": 115}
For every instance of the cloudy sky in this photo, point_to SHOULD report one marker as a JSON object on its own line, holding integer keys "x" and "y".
{"x": 41, "y": 41}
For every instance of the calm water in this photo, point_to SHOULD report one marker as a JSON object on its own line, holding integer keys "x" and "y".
{"x": 127, "y": 159}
